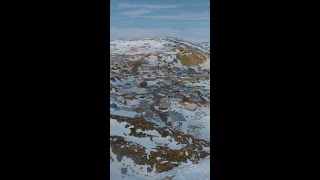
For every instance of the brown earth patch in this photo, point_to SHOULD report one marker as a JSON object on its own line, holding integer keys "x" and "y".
{"x": 169, "y": 158}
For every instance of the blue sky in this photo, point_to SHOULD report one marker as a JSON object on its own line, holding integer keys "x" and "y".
{"x": 185, "y": 19}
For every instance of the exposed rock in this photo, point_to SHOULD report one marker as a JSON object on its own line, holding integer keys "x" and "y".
{"x": 169, "y": 158}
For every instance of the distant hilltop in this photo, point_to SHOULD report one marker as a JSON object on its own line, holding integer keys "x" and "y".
{"x": 156, "y": 43}
{"x": 167, "y": 50}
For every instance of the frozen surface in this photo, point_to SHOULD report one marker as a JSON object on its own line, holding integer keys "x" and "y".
{"x": 119, "y": 129}
{"x": 158, "y": 56}
{"x": 186, "y": 171}
{"x": 121, "y": 112}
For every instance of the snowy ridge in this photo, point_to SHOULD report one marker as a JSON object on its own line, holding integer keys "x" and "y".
{"x": 205, "y": 45}
{"x": 150, "y": 44}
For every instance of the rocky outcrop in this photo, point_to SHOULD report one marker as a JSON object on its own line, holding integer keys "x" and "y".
{"x": 162, "y": 158}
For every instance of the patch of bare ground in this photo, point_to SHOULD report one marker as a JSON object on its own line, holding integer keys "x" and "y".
{"x": 190, "y": 57}
{"x": 162, "y": 158}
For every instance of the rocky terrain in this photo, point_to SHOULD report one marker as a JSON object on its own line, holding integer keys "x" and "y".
{"x": 160, "y": 108}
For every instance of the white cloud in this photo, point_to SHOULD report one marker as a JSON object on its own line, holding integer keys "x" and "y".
{"x": 136, "y": 12}
{"x": 141, "y": 14}
{"x": 197, "y": 34}
{"x": 142, "y": 22}
{"x": 145, "y": 6}
{"x": 183, "y": 17}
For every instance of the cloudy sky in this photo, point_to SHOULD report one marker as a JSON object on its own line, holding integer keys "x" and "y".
{"x": 186, "y": 19}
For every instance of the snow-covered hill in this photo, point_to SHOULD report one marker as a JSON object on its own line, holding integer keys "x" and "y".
{"x": 163, "y": 50}
{"x": 150, "y": 45}
{"x": 146, "y": 74}
{"x": 205, "y": 45}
